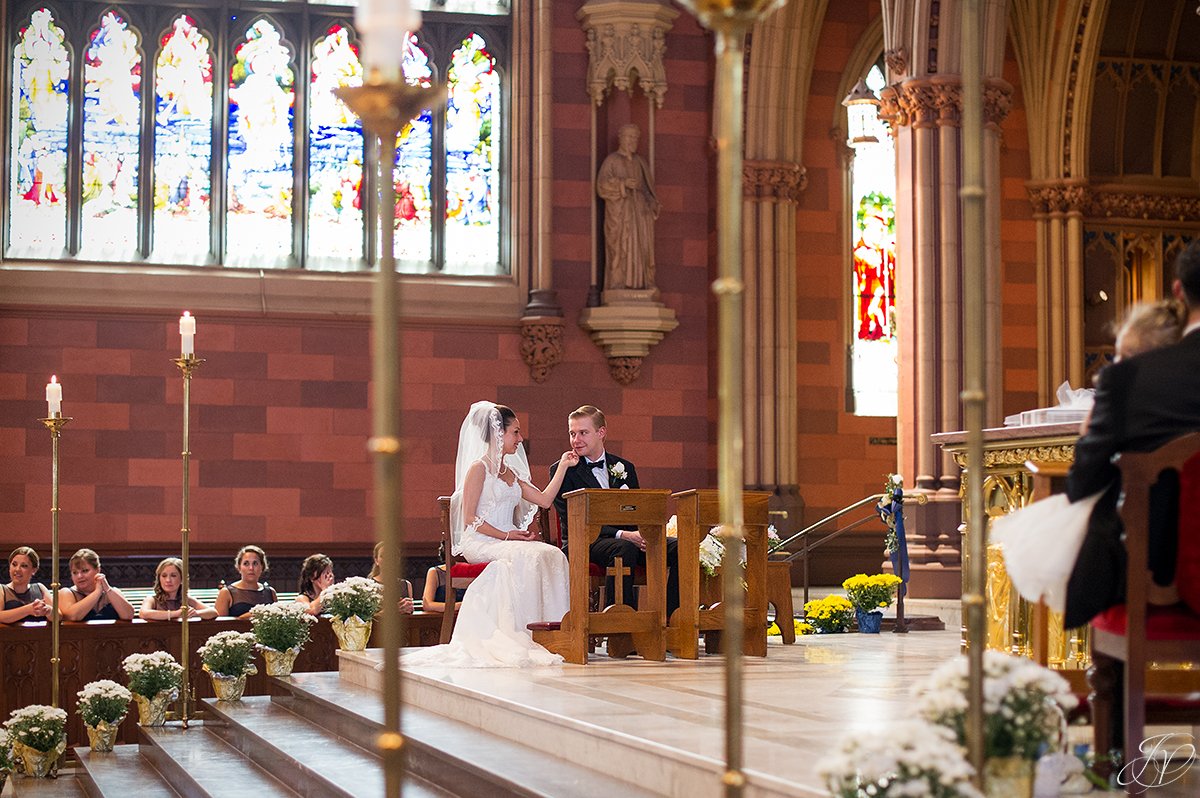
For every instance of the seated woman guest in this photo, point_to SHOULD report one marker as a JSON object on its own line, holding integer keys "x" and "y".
{"x": 23, "y": 598}
{"x": 236, "y": 600}
{"x": 91, "y": 597}
{"x": 316, "y": 574}
{"x": 433, "y": 598}
{"x": 165, "y": 604}
{"x": 406, "y": 602}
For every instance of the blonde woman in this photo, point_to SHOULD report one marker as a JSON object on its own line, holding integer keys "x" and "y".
{"x": 165, "y": 604}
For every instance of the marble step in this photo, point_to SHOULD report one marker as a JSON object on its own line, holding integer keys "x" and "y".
{"x": 446, "y": 751}
{"x": 65, "y": 786}
{"x": 309, "y": 754}
{"x": 122, "y": 771}
{"x": 198, "y": 763}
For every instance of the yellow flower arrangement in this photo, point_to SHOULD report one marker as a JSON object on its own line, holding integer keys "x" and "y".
{"x": 830, "y": 614}
{"x": 801, "y": 627}
{"x": 871, "y": 593}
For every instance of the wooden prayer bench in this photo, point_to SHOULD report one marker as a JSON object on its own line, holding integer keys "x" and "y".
{"x": 627, "y": 629}
{"x": 697, "y": 511}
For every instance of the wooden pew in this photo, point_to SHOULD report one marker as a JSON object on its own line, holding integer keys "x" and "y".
{"x": 627, "y": 629}
{"x": 698, "y": 511}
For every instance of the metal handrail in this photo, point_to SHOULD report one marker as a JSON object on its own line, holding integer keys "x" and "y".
{"x": 812, "y": 527}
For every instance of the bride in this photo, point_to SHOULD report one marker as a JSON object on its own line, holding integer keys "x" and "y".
{"x": 490, "y": 513}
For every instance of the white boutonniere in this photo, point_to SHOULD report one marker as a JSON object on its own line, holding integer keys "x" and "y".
{"x": 617, "y": 472}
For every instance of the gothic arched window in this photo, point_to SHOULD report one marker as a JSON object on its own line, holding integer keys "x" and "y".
{"x": 246, "y": 158}
{"x": 873, "y": 351}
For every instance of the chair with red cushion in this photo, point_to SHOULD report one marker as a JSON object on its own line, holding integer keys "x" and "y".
{"x": 1138, "y": 633}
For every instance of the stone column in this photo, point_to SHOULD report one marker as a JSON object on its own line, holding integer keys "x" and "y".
{"x": 1058, "y": 212}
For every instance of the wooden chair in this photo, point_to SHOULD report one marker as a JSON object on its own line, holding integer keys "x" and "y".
{"x": 697, "y": 511}
{"x": 460, "y": 573}
{"x": 627, "y": 629}
{"x": 779, "y": 596}
{"x": 1138, "y": 633}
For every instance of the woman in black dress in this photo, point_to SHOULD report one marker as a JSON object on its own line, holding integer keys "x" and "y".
{"x": 165, "y": 604}
{"x": 24, "y": 598}
{"x": 91, "y": 597}
{"x": 316, "y": 574}
{"x": 236, "y": 600}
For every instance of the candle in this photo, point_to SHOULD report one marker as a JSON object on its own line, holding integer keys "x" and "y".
{"x": 53, "y": 397}
{"x": 384, "y": 26}
{"x": 187, "y": 329}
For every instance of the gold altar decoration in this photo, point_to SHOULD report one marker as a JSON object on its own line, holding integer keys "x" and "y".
{"x": 102, "y": 736}
{"x": 187, "y": 364}
{"x": 352, "y": 633}
{"x": 153, "y": 711}
{"x": 229, "y": 688}
{"x": 39, "y": 764}
{"x": 55, "y": 424}
{"x": 280, "y": 663}
{"x": 730, "y": 20}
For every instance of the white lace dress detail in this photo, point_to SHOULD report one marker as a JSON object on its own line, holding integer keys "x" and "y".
{"x": 524, "y": 582}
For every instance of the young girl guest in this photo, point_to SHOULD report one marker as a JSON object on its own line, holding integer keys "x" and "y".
{"x": 236, "y": 600}
{"x": 91, "y": 597}
{"x": 406, "y": 602}
{"x": 166, "y": 604}
{"x": 316, "y": 574}
{"x": 23, "y": 598}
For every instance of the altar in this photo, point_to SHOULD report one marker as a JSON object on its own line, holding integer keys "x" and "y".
{"x": 1008, "y": 484}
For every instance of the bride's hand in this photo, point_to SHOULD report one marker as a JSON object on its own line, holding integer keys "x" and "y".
{"x": 568, "y": 460}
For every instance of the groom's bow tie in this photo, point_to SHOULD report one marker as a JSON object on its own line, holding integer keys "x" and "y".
{"x": 597, "y": 464}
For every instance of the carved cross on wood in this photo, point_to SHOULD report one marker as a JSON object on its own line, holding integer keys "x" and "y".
{"x": 618, "y": 572}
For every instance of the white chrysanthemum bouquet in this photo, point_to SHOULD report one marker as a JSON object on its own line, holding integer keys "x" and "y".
{"x": 356, "y": 597}
{"x": 228, "y": 654}
{"x": 103, "y": 701}
{"x": 282, "y": 626}
{"x": 911, "y": 759}
{"x": 151, "y": 674}
{"x": 37, "y": 726}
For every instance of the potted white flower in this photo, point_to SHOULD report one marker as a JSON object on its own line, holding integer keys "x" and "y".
{"x": 6, "y": 760}
{"x": 39, "y": 737}
{"x": 227, "y": 658}
{"x": 1025, "y": 708}
{"x": 353, "y": 605}
{"x": 154, "y": 680}
{"x": 905, "y": 759}
{"x": 281, "y": 630}
{"x": 103, "y": 705}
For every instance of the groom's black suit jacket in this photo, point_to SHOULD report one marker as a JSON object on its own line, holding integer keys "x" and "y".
{"x": 1141, "y": 404}
{"x": 582, "y": 476}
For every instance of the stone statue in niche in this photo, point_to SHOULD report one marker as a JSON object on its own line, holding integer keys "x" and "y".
{"x": 630, "y": 208}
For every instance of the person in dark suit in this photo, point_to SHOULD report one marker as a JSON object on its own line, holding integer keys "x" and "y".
{"x": 598, "y": 468}
{"x": 1141, "y": 403}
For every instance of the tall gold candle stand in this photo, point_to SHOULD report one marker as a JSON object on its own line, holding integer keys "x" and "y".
{"x": 55, "y": 425}
{"x": 974, "y": 393}
{"x": 730, "y": 20}
{"x": 187, "y": 364}
{"x": 385, "y": 107}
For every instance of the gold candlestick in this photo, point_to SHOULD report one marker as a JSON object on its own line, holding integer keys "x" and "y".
{"x": 730, "y": 20}
{"x": 187, "y": 364}
{"x": 55, "y": 425}
{"x": 385, "y": 107}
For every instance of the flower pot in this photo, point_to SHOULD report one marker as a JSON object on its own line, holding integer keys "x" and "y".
{"x": 153, "y": 711}
{"x": 230, "y": 688}
{"x": 39, "y": 764}
{"x": 869, "y": 622}
{"x": 103, "y": 735}
{"x": 352, "y": 633}
{"x": 280, "y": 663}
{"x": 1009, "y": 777}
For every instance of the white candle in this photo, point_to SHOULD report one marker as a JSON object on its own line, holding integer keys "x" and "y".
{"x": 187, "y": 329}
{"x": 53, "y": 397}
{"x": 384, "y": 26}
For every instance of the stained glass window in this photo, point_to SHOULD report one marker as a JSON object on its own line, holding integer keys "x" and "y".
{"x": 183, "y": 89}
{"x": 874, "y": 370}
{"x": 38, "y": 160}
{"x": 472, "y": 131}
{"x": 112, "y": 103}
{"x": 414, "y": 173}
{"x": 261, "y": 107}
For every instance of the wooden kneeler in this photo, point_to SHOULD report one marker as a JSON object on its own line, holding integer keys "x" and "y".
{"x": 627, "y": 629}
{"x": 698, "y": 511}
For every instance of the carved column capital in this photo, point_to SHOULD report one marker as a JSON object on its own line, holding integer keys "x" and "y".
{"x": 1058, "y": 197}
{"x": 625, "y": 42}
{"x": 897, "y": 61}
{"x": 938, "y": 100}
{"x": 997, "y": 102}
{"x": 776, "y": 181}
{"x": 541, "y": 344}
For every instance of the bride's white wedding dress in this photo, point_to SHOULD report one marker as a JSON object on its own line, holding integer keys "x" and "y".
{"x": 524, "y": 582}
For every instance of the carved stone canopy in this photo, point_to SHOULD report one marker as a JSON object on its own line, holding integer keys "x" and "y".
{"x": 626, "y": 40}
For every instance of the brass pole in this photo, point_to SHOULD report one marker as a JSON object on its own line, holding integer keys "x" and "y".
{"x": 974, "y": 395}
{"x": 187, "y": 364}
{"x": 55, "y": 426}
{"x": 386, "y": 106}
{"x": 730, "y": 20}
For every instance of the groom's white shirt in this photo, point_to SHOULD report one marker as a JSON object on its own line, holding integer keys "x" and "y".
{"x": 601, "y": 474}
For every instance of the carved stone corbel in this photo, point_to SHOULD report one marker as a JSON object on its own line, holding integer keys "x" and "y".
{"x": 541, "y": 344}
{"x": 625, "y": 327}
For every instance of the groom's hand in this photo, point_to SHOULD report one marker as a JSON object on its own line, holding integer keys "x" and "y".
{"x": 634, "y": 537}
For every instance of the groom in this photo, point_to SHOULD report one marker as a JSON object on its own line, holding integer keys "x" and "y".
{"x": 600, "y": 469}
